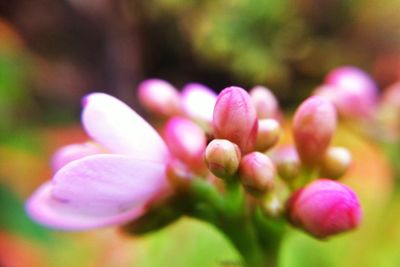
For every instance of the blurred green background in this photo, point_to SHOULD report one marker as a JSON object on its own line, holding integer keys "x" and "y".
{"x": 52, "y": 52}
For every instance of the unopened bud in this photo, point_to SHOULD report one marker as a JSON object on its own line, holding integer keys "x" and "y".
{"x": 389, "y": 112}
{"x": 159, "y": 97}
{"x": 222, "y": 158}
{"x": 354, "y": 91}
{"x": 267, "y": 134}
{"x": 198, "y": 103}
{"x": 186, "y": 141}
{"x": 273, "y": 206}
{"x": 287, "y": 162}
{"x": 264, "y": 101}
{"x": 335, "y": 163}
{"x": 257, "y": 173}
{"x": 313, "y": 126}
{"x": 324, "y": 208}
{"x": 235, "y": 118}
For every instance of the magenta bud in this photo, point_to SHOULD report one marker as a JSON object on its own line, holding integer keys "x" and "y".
{"x": 264, "y": 101}
{"x": 313, "y": 126}
{"x": 325, "y": 208}
{"x": 354, "y": 92}
{"x": 186, "y": 141}
{"x": 267, "y": 134}
{"x": 235, "y": 118}
{"x": 257, "y": 173}
{"x": 159, "y": 97}
{"x": 222, "y": 158}
{"x": 335, "y": 163}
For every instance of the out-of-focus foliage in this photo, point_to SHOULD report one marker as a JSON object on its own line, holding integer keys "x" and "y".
{"x": 288, "y": 45}
{"x": 13, "y": 79}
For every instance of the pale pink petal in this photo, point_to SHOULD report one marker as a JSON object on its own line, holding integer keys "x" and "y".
{"x": 118, "y": 128}
{"x": 71, "y": 152}
{"x": 96, "y": 191}
{"x": 198, "y": 102}
{"x": 51, "y": 212}
{"x": 186, "y": 140}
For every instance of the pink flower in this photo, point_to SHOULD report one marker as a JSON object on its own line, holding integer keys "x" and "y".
{"x": 352, "y": 91}
{"x": 235, "y": 118}
{"x": 325, "y": 208}
{"x": 313, "y": 126}
{"x": 105, "y": 189}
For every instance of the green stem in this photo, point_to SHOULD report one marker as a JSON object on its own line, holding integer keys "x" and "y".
{"x": 254, "y": 239}
{"x": 243, "y": 236}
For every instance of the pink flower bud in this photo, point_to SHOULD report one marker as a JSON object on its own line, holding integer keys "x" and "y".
{"x": 391, "y": 95}
{"x": 354, "y": 93}
{"x": 222, "y": 158}
{"x": 389, "y": 113}
{"x": 159, "y": 97}
{"x": 287, "y": 162}
{"x": 186, "y": 141}
{"x": 257, "y": 173}
{"x": 335, "y": 163}
{"x": 313, "y": 126}
{"x": 325, "y": 208}
{"x": 198, "y": 103}
{"x": 235, "y": 118}
{"x": 267, "y": 134}
{"x": 264, "y": 101}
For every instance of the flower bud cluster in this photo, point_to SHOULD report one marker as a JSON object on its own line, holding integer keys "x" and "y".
{"x": 218, "y": 158}
{"x": 243, "y": 131}
{"x": 235, "y": 136}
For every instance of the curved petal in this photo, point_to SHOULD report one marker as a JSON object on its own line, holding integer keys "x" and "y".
{"x": 68, "y": 153}
{"x": 49, "y": 211}
{"x": 97, "y": 191}
{"x": 118, "y": 128}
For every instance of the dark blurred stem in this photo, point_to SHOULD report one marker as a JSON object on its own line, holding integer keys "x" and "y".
{"x": 123, "y": 49}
